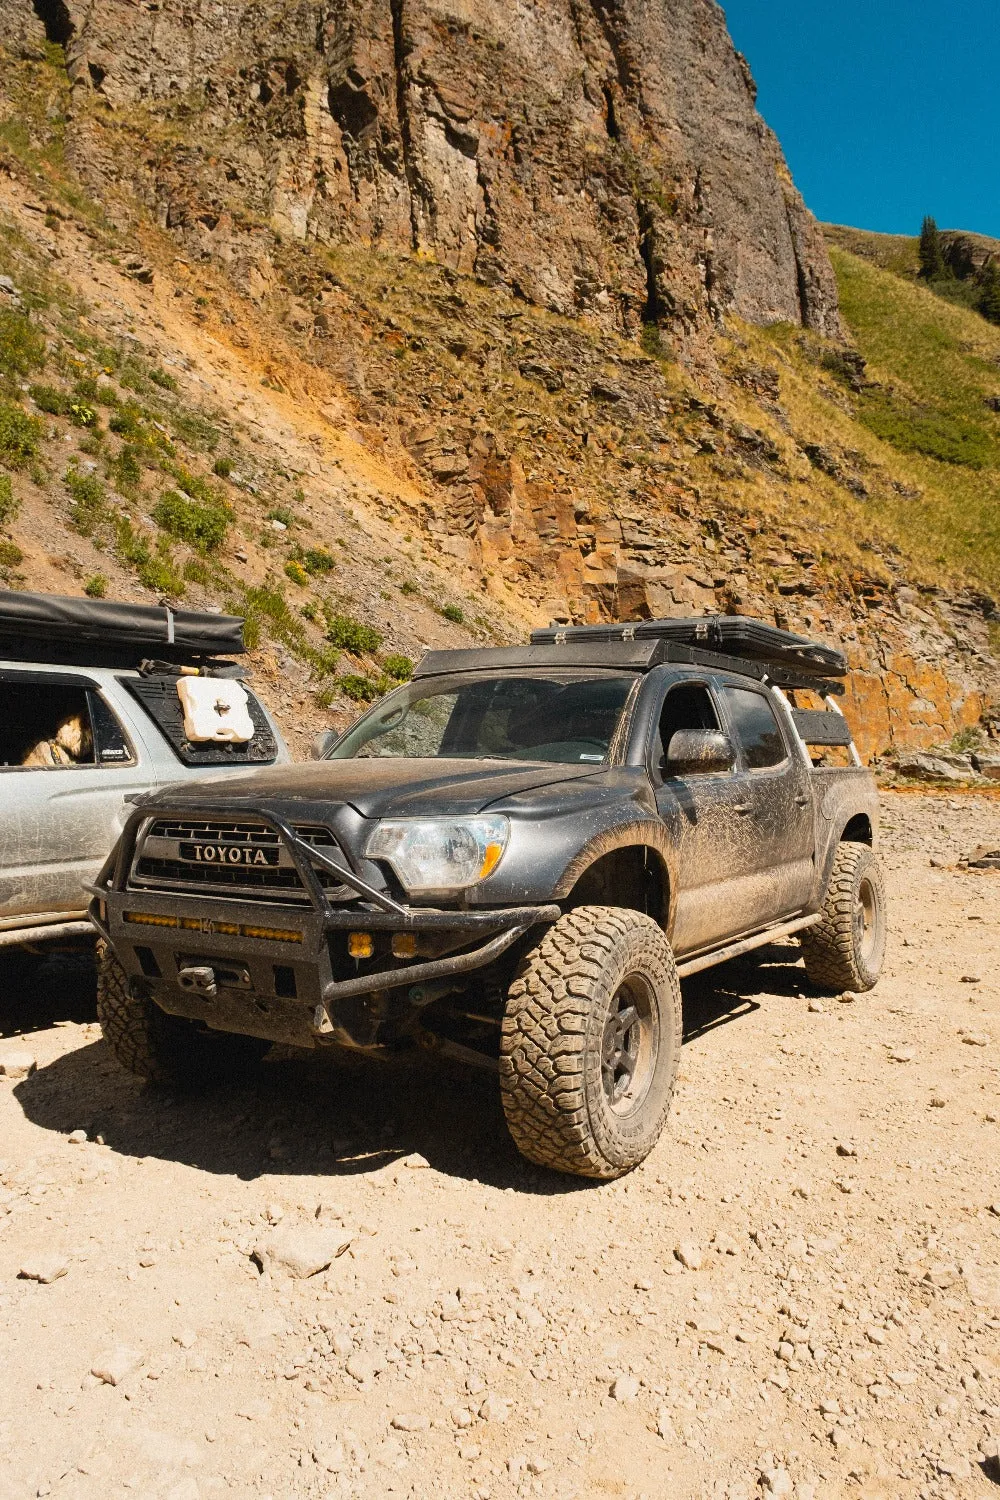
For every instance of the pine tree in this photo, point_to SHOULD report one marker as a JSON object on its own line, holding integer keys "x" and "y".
{"x": 932, "y": 266}
{"x": 989, "y": 291}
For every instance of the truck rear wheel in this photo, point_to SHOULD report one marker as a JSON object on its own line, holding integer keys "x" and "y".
{"x": 590, "y": 1043}
{"x": 160, "y": 1048}
{"x": 846, "y": 950}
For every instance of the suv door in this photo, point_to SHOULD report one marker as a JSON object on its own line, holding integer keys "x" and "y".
{"x": 716, "y": 895}
{"x": 66, "y": 764}
{"x": 776, "y": 804}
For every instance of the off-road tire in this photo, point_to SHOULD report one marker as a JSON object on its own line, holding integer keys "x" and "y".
{"x": 554, "y": 1072}
{"x": 846, "y": 950}
{"x": 161, "y": 1048}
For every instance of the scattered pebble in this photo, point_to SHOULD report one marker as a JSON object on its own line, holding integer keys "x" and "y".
{"x": 47, "y": 1267}
{"x": 113, "y": 1366}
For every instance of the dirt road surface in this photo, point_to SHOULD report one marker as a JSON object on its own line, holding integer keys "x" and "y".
{"x": 798, "y": 1294}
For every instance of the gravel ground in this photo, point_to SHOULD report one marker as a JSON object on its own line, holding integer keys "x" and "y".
{"x": 344, "y": 1282}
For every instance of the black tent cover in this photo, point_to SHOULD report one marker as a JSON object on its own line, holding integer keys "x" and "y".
{"x": 129, "y": 629}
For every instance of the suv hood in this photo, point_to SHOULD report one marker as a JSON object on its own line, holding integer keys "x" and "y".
{"x": 379, "y": 788}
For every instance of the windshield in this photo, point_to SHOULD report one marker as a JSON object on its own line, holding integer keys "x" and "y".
{"x": 560, "y": 716}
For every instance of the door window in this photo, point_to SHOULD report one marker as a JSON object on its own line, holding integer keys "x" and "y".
{"x": 688, "y": 706}
{"x": 51, "y": 727}
{"x": 755, "y": 728}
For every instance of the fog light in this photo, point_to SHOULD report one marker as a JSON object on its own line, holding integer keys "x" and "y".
{"x": 360, "y": 944}
{"x": 404, "y": 945}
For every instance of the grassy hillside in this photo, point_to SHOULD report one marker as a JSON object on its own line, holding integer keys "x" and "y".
{"x": 932, "y": 369}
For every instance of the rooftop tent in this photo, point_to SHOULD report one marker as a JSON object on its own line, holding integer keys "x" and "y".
{"x": 736, "y": 636}
{"x": 55, "y": 626}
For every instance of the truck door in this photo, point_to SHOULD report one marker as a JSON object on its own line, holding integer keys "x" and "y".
{"x": 702, "y": 811}
{"x": 66, "y": 764}
{"x": 775, "y": 803}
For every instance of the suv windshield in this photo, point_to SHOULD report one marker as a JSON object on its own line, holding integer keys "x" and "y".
{"x": 560, "y": 716}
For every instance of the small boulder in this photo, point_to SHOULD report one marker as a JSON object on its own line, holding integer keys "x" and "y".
{"x": 14, "y": 1065}
{"x": 302, "y": 1252}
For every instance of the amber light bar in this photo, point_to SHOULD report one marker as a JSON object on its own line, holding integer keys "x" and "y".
{"x": 225, "y": 929}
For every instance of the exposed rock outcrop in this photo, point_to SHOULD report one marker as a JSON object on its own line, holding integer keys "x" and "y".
{"x": 596, "y": 156}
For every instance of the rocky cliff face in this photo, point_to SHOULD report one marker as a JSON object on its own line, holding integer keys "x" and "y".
{"x": 593, "y": 156}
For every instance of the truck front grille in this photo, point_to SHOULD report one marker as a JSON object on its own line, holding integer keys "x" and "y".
{"x": 226, "y": 858}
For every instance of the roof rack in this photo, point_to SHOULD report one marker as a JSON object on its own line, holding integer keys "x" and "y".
{"x": 93, "y": 632}
{"x": 738, "y": 636}
{"x": 623, "y": 654}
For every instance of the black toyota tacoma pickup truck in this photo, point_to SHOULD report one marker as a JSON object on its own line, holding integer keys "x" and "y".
{"x": 510, "y": 861}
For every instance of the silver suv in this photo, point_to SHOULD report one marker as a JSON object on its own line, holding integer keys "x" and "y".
{"x": 93, "y": 712}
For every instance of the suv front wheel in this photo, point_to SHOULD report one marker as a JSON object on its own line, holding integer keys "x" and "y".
{"x": 590, "y": 1043}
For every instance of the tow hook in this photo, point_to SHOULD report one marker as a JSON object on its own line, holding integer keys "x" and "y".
{"x": 198, "y": 979}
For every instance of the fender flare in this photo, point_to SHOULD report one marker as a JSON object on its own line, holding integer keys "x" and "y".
{"x": 636, "y": 835}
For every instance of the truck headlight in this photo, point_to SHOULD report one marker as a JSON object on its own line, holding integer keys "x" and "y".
{"x": 438, "y": 854}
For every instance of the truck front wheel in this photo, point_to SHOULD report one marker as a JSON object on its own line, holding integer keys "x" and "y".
{"x": 161, "y": 1048}
{"x": 590, "y": 1042}
{"x": 845, "y": 950}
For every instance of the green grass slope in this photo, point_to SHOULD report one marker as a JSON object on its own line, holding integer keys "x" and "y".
{"x": 932, "y": 371}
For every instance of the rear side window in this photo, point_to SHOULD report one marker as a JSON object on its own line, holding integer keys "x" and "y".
{"x": 44, "y": 728}
{"x": 158, "y": 696}
{"x": 755, "y": 728}
{"x": 50, "y": 726}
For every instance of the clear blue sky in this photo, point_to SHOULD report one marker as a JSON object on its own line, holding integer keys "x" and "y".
{"x": 887, "y": 109}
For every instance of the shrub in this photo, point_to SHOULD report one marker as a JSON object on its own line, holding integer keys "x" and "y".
{"x": 201, "y": 526}
{"x": 131, "y": 549}
{"x": 22, "y": 347}
{"x": 453, "y": 613}
{"x": 128, "y": 420}
{"x": 318, "y": 560}
{"x": 283, "y": 514}
{"x": 96, "y": 587}
{"x": 264, "y": 603}
{"x": 359, "y": 689}
{"x": 10, "y": 555}
{"x": 162, "y": 379}
{"x": 20, "y": 435}
{"x": 89, "y": 499}
{"x": 222, "y": 467}
{"x": 408, "y": 587}
{"x": 82, "y": 415}
{"x": 49, "y": 398}
{"x": 324, "y": 661}
{"x": 297, "y": 573}
{"x": 351, "y": 635}
{"x": 194, "y": 429}
{"x": 9, "y": 503}
{"x": 195, "y": 571}
{"x": 125, "y": 470}
{"x": 159, "y": 575}
{"x": 194, "y": 486}
{"x": 398, "y": 667}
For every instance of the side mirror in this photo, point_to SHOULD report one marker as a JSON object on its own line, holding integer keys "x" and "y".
{"x": 324, "y": 743}
{"x": 698, "y": 751}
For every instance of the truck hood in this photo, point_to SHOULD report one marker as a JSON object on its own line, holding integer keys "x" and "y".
{"x": 377, "y": 788}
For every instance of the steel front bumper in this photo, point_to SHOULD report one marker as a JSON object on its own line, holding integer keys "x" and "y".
{"x": 268, "y": 969}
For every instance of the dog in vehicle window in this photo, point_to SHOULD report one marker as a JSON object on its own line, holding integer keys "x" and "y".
{"x": 72, "y": 744}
